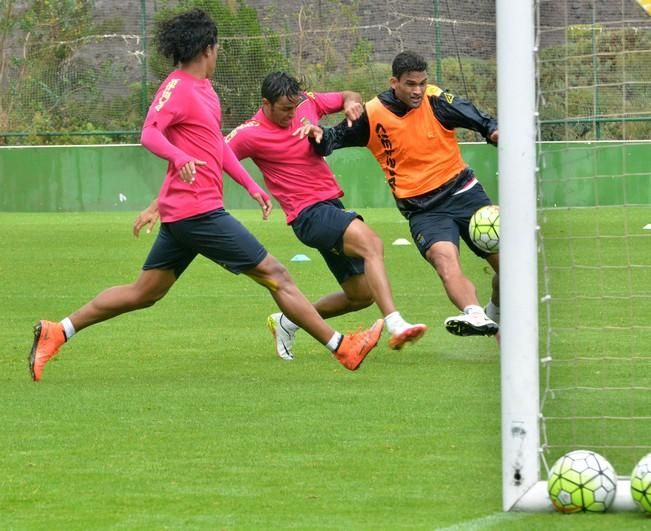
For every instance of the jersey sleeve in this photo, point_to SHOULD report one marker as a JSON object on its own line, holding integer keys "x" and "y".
{"x": 240, "y": 142}
{"x": 239, "y": 174}
{"x": 452, "y": 112}
{"x": 327, "y": 102}
{"x": 164, "y": 112}
{"x": 341, "y": 136}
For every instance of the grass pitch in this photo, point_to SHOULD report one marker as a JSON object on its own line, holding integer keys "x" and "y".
{"x": 181, "y": 416}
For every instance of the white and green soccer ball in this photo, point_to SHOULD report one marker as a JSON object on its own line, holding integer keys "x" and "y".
{"x": 484, "y": 228}
{"x": 582, "y": 480}
{"x": 641, "y": 483}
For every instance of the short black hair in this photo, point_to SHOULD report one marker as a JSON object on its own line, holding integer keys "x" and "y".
{"x": 407, "y": 62}
{"x": 186, "y": 35}
{"x": 279, "y": 84}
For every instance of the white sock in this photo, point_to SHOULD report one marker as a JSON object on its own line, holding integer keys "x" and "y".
{"x": 493, "y": 312}
{"x": 334, "y": 342}
{"x": 68, "y": 328}
{"x": 288, "y": 324}
{"x": 395, "y": 323}
{"x": 473, "y": 308}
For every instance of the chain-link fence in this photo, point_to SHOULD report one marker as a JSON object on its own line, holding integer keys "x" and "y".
{"x": 80, "y": 71}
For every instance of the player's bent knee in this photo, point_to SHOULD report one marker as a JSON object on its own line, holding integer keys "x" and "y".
{"x": 271, "y": 274}
{"x": 446, "y": 264}
{"x": 282, "y": 278}
{"x": 274, "y": 269}
{"x": 370, "y": 250}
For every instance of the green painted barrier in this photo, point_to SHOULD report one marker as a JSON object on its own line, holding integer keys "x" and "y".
{"x": 127, "y": 177}
{"x": 78, "y": 178}
{"x": 596, "y": 173}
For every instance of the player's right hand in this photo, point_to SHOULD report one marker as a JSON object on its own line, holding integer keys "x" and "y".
{"x": 353, "y": 111}
{"x": 265, "y": 204}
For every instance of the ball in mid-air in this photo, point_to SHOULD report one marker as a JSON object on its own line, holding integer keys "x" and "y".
{"x": 582, "y": 480}
{"x": 484, "y": 228}
{"x": 641, "y": 483}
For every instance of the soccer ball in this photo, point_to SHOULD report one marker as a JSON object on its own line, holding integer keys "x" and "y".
{"x": 641, "y": 483}
{"x": 582, "y": 481}
{"x": 484, "y": 228}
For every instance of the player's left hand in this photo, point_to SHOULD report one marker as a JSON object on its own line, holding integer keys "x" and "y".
{"x": 188, "y": 172}
{"x": 353, "y": 110}
{"x": 265, "y": 204}
{"x": 147, "y": 218}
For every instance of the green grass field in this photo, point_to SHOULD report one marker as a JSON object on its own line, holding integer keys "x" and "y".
{"x": 181, "y": 416}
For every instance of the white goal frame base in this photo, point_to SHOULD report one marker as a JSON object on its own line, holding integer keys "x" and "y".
{"x": 536, "y": 499}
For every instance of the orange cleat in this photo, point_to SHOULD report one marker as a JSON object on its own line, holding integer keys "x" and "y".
{"x": 48, "y": 338}
{"x": 354, "y": 347}
{"x": 411, "y": 334}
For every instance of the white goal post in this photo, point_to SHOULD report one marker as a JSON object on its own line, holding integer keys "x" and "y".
{"x": 518, "y": 267}
{"x": 523, "y": 487}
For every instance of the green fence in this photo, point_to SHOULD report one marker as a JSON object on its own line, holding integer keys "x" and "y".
{"x": 127, "y": 177}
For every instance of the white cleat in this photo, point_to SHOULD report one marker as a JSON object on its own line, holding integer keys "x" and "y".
{"x": 472, "y": 324}
{"x": 284, "y": 338}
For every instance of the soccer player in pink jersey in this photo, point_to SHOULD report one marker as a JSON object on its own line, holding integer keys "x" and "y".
{"x": 306, "y": 189}
{"x": 183, "y": 126}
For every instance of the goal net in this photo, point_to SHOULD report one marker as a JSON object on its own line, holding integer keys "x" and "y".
{"x": 594, "y": 197}
{"x": 592, "y": 80}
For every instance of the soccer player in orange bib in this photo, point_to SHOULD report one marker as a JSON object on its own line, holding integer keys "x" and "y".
{"x": 409, "y": 128}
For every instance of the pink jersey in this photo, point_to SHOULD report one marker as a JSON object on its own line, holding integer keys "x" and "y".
{"x": 294, "y": 174}
{"x": 184, "y": 124}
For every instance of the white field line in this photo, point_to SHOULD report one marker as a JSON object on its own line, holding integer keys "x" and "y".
{"x": 491, "y": 520}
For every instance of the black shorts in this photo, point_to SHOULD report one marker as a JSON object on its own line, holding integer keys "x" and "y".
{"x": 322, "y": 226}
{"x": 216, "y": 235}
{"x": 448, "y": 218}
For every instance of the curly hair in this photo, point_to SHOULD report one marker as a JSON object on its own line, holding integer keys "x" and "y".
{"x": 279, "y": 84}
{"x": 407, "y": 62}
{"x": 185, "y": 36}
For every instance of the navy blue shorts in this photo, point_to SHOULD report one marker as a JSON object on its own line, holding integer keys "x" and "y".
{"x": 322, "y": 226}
{"x": 216, "y": 235}
{"x": 448, "y": 219}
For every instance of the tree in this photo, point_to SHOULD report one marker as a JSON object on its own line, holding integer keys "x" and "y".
{"x": 34, "y": 93}
{"x": 248, "y": 52}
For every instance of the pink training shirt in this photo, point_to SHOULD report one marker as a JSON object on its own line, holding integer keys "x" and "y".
{"x": 294, "y": 174}
{"x": 183, "y": 124}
